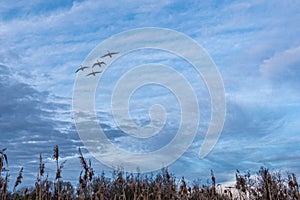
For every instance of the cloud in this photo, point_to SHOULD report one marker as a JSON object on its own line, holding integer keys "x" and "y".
{"x": 53, "y": 42}
{"x": 31, "y": 122}
{"x": 283, "y": 67}
{"x": 253, "y": 136}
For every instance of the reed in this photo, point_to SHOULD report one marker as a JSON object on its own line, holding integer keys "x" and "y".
{"x": 162, "y": 186}
{"x": 3, "y": 170}
{"x": 59, "y": 167}
{"x": 19, "y": 179}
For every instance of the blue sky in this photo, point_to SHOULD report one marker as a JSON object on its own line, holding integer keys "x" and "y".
{"x": 254, "y": 44}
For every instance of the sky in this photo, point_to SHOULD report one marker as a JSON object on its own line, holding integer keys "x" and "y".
{"x": 255, "y": 46}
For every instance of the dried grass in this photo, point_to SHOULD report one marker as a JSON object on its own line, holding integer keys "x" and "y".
{"x": 163, "y": 186}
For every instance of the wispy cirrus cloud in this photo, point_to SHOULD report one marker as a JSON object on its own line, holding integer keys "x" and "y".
{"x": 283, "y": 67}
{"x": 30, "y": 122}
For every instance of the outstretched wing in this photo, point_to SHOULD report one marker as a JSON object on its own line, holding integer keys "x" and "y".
{"x": 81, "y": 68}
{"x": 105, "y": 55}
{"x": 109, "y": 54}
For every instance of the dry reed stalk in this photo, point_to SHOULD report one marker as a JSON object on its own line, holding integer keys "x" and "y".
{"x": 3, "y": 158}
{"x": 82, "y": 160}
{"x": 39, "y": 184}
{"x": 25, "y": 195}
{"x": 3, "y": 181}
{"x": 47, "y": 188}
{"x": 80, "y": 194}
{"x": 19, "y": 179}
{"x": 59, "y": 168}
{"x": 82, "y": 181}
{"x": 102, "y": 192}
{"x": 91, "y": 174}
{"x": 57, "y": 176}
{"x": 123, "y": 195}
{"x": 158, "y": 194}
{"x": 4, "y": 192}
{"x": 37, "y": 191}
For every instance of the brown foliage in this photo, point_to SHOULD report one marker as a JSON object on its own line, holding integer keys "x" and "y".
{"x": 162, "y": 186}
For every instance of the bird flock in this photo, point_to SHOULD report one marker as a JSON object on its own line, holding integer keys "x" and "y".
{"x": 97, "y": 63}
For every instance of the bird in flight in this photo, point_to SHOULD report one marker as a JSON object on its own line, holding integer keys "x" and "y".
{"x": 93, "y": 73}
{"x": 98, "y": 63}
{"x": 109, "y": 54}
{"x": 81, "y": 68}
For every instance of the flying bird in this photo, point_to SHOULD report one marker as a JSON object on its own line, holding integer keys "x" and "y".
{"x": 81, "y": 68}
{"x": 93, "y": 73}
{"x": 98, "y": 63}
{"x": 109, "y": 54}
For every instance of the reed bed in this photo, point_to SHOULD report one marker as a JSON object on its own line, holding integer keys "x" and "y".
{"x": 263, "y": 185}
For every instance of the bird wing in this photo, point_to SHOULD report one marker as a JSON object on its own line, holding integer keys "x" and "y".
{"x": 81, "y": 68}
{"x": 105, "y": 55}
{"x": 93, "y": 73}
{"x": 77, "y": 70}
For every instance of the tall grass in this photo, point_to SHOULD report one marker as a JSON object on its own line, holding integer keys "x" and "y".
{"x": 59, "y": 167}
{"x": 264, "y": 185}
{"x": 3, "y": 170}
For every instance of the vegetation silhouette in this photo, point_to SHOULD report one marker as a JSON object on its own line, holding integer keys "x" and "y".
{"x": 162, "y": 186}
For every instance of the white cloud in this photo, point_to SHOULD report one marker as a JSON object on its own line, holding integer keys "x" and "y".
{"x": 282, "y": 63}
